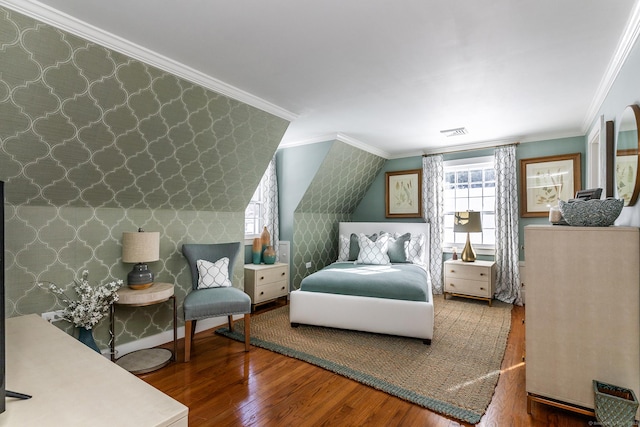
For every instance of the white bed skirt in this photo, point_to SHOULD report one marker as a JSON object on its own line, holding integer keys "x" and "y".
{"x": 380, "y": 315}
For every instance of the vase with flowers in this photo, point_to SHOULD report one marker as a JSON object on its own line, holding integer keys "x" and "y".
{"x": 92, "y": 304}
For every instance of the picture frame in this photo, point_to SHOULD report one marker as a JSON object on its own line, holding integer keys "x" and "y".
{"x": 625, "y": 173}
{"x": 403, "y": 194}
{"x": 545, "y": 180}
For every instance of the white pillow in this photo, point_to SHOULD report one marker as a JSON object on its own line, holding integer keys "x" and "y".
{"x": 415, "y": 251}
{"x": 373, "y": 252}
{"x": 343, "y": 248}
{"x": 213, "y": 274}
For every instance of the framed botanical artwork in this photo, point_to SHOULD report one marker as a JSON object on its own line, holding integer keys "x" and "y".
{"x": 403, "y": 194}
{"x": 545, "y": 180}
{"x": 625, "y": 173}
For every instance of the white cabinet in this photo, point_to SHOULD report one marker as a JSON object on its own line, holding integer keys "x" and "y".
{"x": 266, "y": 282}
{"x": 470, "y": 279}
{"x": 583, "y": 312}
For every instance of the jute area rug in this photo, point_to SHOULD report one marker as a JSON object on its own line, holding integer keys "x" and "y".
{"x": 456, "y": 375}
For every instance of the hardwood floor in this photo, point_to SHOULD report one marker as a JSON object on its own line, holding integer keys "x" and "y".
{"x": 224, "y": 386}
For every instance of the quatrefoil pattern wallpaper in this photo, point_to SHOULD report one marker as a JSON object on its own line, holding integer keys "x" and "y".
{"x": 338, "y": 187}
{"x": 94, "y": 143}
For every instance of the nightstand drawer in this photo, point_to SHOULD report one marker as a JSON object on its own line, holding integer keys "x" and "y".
{"x": 270, "y": 291}
{"x": 470, "y": 272}
{"x": 271, "y": 275}
{"x": 467, "y": 287}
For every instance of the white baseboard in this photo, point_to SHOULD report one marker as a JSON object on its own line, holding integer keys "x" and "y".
{"x": 166, "y": 336}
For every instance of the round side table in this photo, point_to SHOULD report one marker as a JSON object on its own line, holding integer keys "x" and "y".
{"x": 150, "y": 359}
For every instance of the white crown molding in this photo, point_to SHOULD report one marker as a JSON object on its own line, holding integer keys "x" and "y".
{"x": 58, "y": 19}
{"x": 627, "y": 40}
{"x": 338, "y": 137}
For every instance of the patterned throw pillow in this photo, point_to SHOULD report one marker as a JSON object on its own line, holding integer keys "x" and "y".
{"x": 343, "y": 248}
{"x": 213, "y": 274}
{"x": 398, "y": 246}
{"x": 354, "y": 248}
{"x": 373, "y": 252}
{"x": 415, "y": 251}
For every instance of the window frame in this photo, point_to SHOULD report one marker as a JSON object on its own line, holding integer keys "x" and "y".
{"x": 467, "y": 163}
{"x": 260, "y": 202}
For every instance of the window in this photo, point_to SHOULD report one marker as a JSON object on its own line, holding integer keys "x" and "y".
{"x": 253, "y": 214}
{"x": 470, "y": 184}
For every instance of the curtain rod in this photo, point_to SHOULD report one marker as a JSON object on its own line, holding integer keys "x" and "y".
{"x": 471, "y": 148}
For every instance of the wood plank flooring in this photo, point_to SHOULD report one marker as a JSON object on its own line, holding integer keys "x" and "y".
{"x": 224, "y": 386}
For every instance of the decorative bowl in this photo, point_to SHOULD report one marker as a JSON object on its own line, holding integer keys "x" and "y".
{"x": 591, "y": 213}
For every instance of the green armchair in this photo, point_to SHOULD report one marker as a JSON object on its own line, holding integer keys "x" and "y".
{"x": 213, "y": 302}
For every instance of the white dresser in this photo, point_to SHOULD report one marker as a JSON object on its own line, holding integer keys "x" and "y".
{"x": 470, "y": 279}
{"x": 73, "y": 385}
{"x": 266, "y": 282}
{"x": 582, "y": 313}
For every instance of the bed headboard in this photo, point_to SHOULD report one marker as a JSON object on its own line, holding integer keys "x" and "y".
{"x": 346, "y": 228}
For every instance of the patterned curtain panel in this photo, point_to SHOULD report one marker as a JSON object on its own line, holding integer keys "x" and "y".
{"x": 507, "y": 256}
{"x": 269, "y": 185}
{"x": 433, "y": 208}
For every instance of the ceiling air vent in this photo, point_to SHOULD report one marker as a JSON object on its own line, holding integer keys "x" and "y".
{"x": 454, "y": 132}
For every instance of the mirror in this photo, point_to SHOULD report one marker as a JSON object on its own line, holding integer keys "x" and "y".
{"x": 627, "y": 146}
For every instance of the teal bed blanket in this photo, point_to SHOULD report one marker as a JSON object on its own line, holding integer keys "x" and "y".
{"x": 395, "y": 281}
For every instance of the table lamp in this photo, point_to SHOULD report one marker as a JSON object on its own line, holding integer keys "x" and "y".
{"x": 140, "y": 247}
{"x": 467, "y": 222}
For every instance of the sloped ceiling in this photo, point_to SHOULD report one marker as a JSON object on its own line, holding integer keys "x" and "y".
{"x": 390, "y": 75}
{"x": 82, "y": 125}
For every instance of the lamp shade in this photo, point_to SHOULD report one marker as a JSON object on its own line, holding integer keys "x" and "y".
{"x": 140, "y": 246}
{"x": 467, "y": 222}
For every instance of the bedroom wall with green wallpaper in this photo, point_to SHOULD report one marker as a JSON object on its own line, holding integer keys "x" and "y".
{"x": 337, "y": 187}
{"x": 94, "y": 143}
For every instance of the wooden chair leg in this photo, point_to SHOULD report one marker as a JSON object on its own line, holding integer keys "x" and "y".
{"x": 188, "y": 336}
{"x": 247, "y": 330}
{"x": 230, "y": 318}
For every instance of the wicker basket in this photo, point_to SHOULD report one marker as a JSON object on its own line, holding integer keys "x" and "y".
{"x": 614, "y": 406}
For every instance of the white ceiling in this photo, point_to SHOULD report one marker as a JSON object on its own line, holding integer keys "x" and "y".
{"x": 389, "y": 74}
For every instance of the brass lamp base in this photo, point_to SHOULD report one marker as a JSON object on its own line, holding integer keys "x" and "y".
{"x": 468, "y": 254}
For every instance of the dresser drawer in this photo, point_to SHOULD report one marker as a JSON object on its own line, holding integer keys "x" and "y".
{"x": 271, "y": 275}
{"x": 470, "y": 272}
{"x": 270, "y": 291}
{"x": 467, "y": 287}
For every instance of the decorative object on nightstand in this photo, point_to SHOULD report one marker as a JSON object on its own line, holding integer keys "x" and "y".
{"x": 256, "y": 250}
{"x": 139, "y": 248}
{"x": 468, "y": 280}
{"x": 467, "y": 222}
{"x": 266, "y": 282}
{"x": 269, "y": 255}
{"x": 150, "y": 359}
{"x": 265, "y": 238}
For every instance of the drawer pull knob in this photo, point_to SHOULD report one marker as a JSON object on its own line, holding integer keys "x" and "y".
{"x": 262, "y": 278}
{"x": 482, "y": 274}
{"x": 262, "y": 293}
{"x": 283, "y": 273}
{"x": 452, "y": 285}
{"x": 482, "y": 289}
{"x": 453, "y": 271}
{"x": 282, "y": 288}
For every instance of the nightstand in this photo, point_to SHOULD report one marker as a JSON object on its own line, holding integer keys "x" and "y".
{"x": 146, "y": 360}
{"x": 266, "y": 282}
{"x": 470, "y": 279}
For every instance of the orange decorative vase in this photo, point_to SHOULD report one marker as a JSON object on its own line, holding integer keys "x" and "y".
{"x": 265, "y": 238}
{"x": 256, "y": 250}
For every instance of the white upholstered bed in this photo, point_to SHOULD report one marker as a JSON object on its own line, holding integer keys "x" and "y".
{"x": 380, "y": 315}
